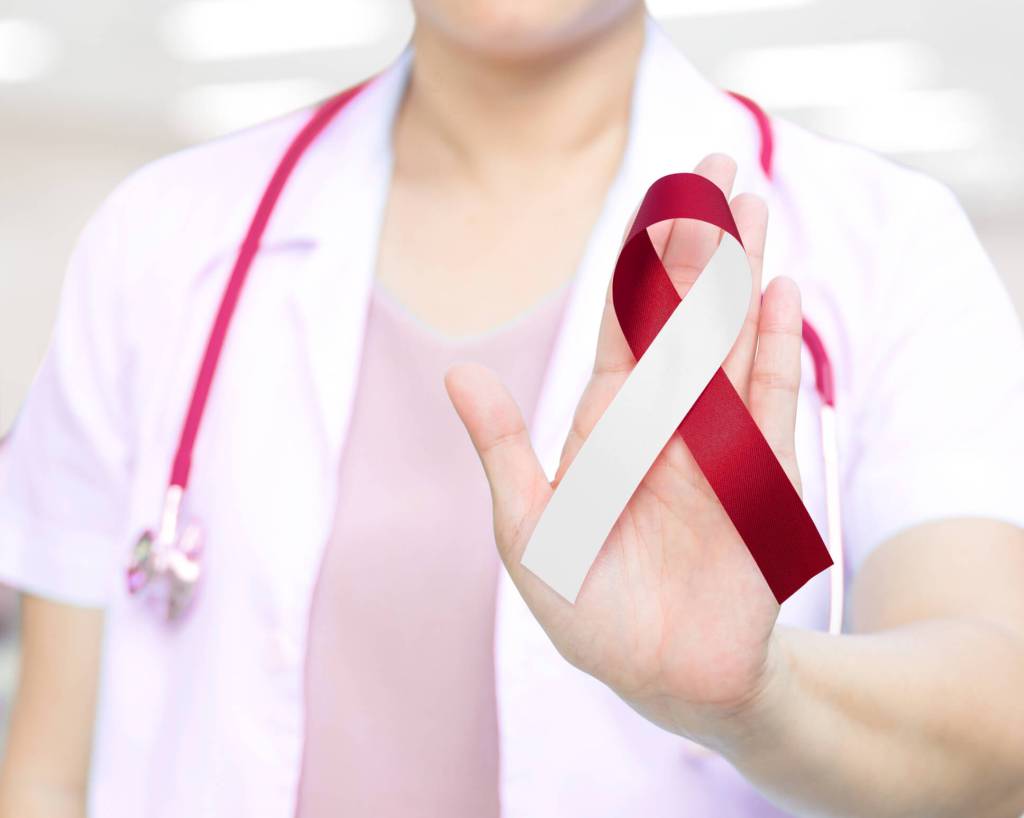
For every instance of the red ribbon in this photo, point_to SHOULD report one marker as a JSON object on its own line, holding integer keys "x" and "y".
{"x": 728, "y": 447}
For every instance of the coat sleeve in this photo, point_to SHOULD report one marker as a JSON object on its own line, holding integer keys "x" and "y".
{"x": 65, "y": 466}
{"x": 936, "y": 413}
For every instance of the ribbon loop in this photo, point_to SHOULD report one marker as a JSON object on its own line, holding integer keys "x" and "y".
{"x": 678, "y": 386}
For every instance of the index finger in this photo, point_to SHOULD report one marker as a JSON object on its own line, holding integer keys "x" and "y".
{"x": 685, "y": 246}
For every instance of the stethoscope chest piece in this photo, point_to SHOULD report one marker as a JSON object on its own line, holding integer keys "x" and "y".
{"x": 165, "y": 566}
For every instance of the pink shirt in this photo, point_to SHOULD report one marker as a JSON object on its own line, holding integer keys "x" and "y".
{"x": 401, "y": 717}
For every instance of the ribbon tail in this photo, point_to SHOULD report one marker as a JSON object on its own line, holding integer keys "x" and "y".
{"x": 753, "y": 488}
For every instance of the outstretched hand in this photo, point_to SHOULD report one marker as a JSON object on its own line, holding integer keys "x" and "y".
{"x": 674, "y": 615}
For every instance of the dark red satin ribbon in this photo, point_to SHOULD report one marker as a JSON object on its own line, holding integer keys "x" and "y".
{"x": 718, "y": 430}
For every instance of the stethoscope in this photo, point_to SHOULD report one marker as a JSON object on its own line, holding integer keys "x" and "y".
{"x": 165, "y": 563}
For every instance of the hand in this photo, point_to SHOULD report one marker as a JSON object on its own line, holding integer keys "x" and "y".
{"x": 674, "y": 615}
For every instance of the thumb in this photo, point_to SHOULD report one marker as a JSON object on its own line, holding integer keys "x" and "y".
{"x": 519, "y": 488}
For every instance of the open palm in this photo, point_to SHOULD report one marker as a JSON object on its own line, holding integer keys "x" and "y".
{"x": 674, "y": 614}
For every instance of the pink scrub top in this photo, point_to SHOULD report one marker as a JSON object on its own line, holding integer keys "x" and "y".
{"x": 401, "y": 716}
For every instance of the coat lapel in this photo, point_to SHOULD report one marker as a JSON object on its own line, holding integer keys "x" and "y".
{"x": 342, "y": 218}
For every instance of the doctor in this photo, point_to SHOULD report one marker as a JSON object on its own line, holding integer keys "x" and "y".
{"x": 356, "y": 647}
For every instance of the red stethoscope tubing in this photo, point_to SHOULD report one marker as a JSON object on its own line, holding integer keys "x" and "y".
{"x": 229, "y": 300}
{"x": 182, "y": 463}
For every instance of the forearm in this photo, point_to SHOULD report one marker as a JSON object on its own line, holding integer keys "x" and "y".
{"x": 27, "y": 799}
{"x": 923, "y": 721}
{"x": 45, "y": 769}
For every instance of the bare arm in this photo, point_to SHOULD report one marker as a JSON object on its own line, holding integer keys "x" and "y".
{"x": 919, "y": 713}
{"x": 45, "y": 767}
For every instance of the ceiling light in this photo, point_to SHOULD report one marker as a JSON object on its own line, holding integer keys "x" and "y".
{"x": 911, "y": 122}
{"x": 27, "y": 50}
{"x": 209, "y": 111}
{"x": 231, "y": 29}
{"x": 667, "y": 9}
{"x": 830, "y": 74}
{"x": 993, "y": 174}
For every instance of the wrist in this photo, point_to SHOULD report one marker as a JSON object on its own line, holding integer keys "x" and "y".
{"x": 748, "y": 723}
{"x": 757, "y": 723}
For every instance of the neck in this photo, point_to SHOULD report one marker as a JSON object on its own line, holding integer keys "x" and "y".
{"x": 483, "y": 117}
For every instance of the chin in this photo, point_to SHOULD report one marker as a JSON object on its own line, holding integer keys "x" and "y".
{"x": 522, "y": 28}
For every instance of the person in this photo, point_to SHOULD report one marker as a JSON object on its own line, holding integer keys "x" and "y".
{"x": 356, "y": 647}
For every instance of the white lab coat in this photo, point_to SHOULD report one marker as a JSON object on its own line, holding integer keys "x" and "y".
{"x": 205, "y": 719}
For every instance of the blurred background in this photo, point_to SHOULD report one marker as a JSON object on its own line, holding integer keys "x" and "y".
{"x": 90, "y": 90}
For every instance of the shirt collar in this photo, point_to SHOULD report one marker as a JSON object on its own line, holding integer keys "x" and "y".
{"x": 353, "y": 154}
{"x": 679, "y": 117}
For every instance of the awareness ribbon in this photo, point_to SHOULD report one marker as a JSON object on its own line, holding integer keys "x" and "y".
{"x": 678, "y": 386}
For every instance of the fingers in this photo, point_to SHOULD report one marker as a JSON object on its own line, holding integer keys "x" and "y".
{"x": 495, "y": 425}
{"x": 775, "y": 378}
{"x": 595, "y": 399}
{"x": 751, "y": 215}
{"x": 686, "y": 245}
